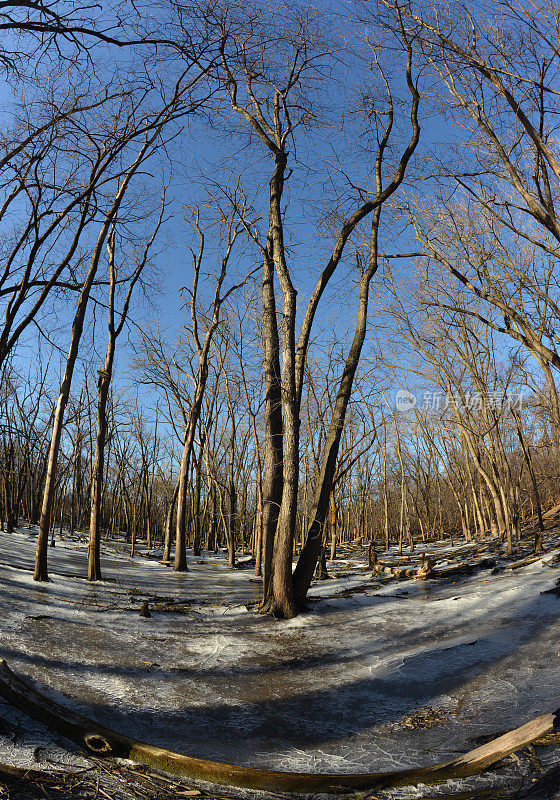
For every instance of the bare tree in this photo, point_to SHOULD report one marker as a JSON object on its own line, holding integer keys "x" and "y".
{"x": 233, "y": 228}
{"x": 104, "y": 382}
{"x": 151, "y": 132}
{"x": 271, "y": 104}
{"x": 492, "y": 221}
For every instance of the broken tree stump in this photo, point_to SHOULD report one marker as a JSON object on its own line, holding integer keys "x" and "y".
{"x": 145, "y": 610}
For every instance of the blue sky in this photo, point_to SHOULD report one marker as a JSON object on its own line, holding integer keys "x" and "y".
{"x": 205, "y": 154}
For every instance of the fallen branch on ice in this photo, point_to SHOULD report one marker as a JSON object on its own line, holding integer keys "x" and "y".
{"x": 101, "y": 741}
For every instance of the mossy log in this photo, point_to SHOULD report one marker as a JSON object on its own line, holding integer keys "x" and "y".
{"x": 98, "y": 740}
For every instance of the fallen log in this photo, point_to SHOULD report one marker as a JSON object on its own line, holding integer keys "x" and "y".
{"x": 420, "y": 572}
{"x": 524, "y": 562}
{"x": 463, "y": 568}
{"x": 400, "y": 573}
{"x": 244, "y": 562}
{"x": 11, "y": 774}
{"x": 98, "y": 740}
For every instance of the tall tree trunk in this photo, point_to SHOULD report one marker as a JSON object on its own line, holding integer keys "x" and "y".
{"x": 259, "y": 529}
{"x": 197, "y": 464}
{"x": 41, "y": 568}
{"x": 333, "y": 526}
{"x": 273, "y": 480}
{"x": 94, "y": 562}
{"x": 303, "y": 574}
{"x": 536, "y": 495}
{"x": 169, "y": 523}
{"x": 180, "y": 562}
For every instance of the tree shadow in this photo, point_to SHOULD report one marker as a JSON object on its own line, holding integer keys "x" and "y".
{"x": 208, "y": 719}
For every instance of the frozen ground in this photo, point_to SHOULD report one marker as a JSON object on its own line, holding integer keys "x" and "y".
{"x": 337, "y": 689}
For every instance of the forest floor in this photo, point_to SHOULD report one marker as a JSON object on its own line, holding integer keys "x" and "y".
{"x": 380, "y": 674}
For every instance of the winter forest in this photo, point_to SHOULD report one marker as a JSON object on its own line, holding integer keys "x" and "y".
{"x": 279, "y": 403}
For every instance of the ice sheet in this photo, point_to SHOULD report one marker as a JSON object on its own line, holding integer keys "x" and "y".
{"x": 331, "y": 690}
